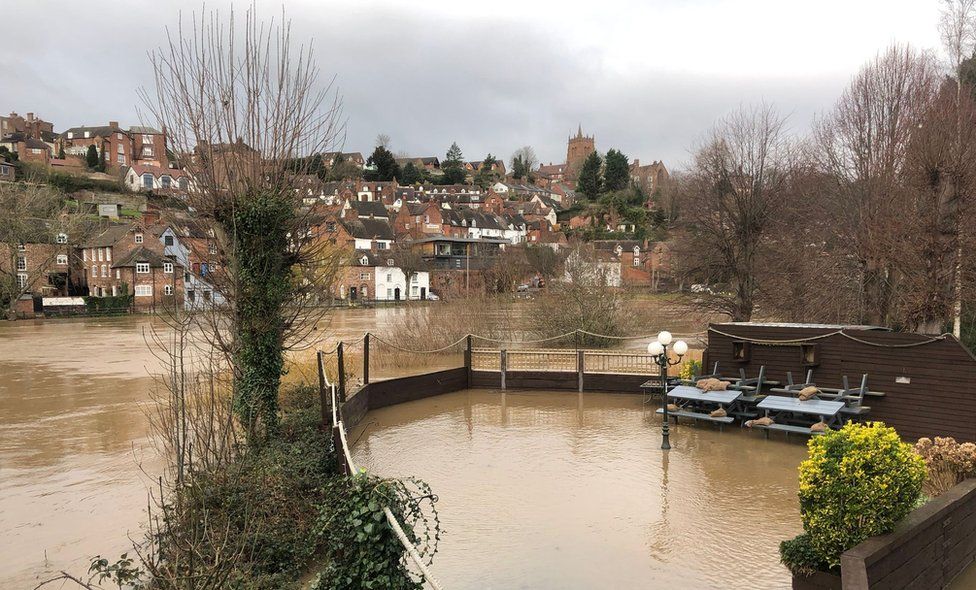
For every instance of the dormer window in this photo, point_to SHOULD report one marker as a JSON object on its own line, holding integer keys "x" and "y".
{"x": 389, "y": 262}
{"x": 71, "y": 135}
{"x": 62, "y": 238}
{"x": 138, "y": 238}
{"x": 87, "y": 134}
{"x": 618, "y": 250}
{"x": 364, "y": 261}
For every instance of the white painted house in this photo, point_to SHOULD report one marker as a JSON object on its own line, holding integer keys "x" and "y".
{"x": 197, "y": 292}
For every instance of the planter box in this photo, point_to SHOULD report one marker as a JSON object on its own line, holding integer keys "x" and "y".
{"x": 818, "y": 581}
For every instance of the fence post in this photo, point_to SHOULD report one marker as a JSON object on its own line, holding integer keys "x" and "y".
{"x": 342, "y": 373}
{"x": 503, "y": 364}
{"x": 340, "y": 454}
{"x": 324, "y": 401}
{"x": 468, "y": 359}
{"x": 579, "y": 368}
{"x": 366, "y": 359}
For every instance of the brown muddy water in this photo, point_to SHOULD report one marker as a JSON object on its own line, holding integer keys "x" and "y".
{"x": 566, "y": 490}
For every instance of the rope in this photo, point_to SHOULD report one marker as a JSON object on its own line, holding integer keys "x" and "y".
{"x": 415, "y": 351}
{"x": 840, "y": 332}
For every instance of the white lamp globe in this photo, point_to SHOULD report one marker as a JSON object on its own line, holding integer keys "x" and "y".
{"x": 680, "y": 347}
{"x": 655, "y": 348}
{"x": 664, "y": 337}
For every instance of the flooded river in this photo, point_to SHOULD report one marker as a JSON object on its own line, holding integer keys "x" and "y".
{"x": 565, "y": 490}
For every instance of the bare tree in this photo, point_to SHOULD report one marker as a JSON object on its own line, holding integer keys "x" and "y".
{"x": 383, "y": 141}
{"x": 738, "y": 183}
{"x": 247, "y": 107}
{"x": 36, "y": 227}
{"x": 524, "y": 162}
{"x": 957, "y": 28}
{"x": 863, "y": 145}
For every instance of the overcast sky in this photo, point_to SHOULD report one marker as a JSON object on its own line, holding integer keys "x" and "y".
{"x": 647, "y": 77}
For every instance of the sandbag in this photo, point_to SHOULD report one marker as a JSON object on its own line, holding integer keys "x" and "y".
{"x": 807, "y": 393}
{"x": 673, "y": 408}
{"x": 764, "y": 421}
{"x": 819, "y": 427}
{"x": 719, "y": 413}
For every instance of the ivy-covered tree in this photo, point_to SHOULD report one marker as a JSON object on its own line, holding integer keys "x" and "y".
{"x": 589, "y": 182}
{"x": 523, "y": 162}
{"x": 386, "y": 167}
{"x": 616, "y": 171}
{"x": 61, "y": 152}
{"x": 453, "y": 165}
{"x": 91, "y": 157}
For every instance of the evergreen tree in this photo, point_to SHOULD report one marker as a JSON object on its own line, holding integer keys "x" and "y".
{"x": 616, "y": 171}
{"x": 91, "y": 158}
{"x": 518, "y": 167}
{"x": 101, "y": 159}
{"x": 588, "y": 182}
{"x": 486, "y": 176}
{"x": 453, "y": 166}
{"x": 61, "y": 152}
{"x": 411, "y": 174}
{"x": 386, "y": 165}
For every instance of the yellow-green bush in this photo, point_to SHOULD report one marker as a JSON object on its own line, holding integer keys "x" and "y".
{"x": 856, "y": 483}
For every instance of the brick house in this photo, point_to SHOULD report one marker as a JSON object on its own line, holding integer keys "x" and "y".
{"x": 137, "y": 145}
{"x": 43, "y": 265}
{"x": 30, "y": 126}
{"x": 28, "y": 149}
{"x": 154, "y": 280}
{"x": 375, "y": 276}
{"x": 417, "y": 220}
{"x": 128, "y": 259}
{"x": 8, "y": 172}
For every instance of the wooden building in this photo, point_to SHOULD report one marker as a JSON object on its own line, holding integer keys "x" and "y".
{"x": 928, "y": 382}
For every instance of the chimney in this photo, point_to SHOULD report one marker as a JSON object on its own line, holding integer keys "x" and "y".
{"x": 113, "y": 124}
{"x": 30, "y": 117}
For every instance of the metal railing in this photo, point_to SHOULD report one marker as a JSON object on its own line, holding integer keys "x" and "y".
{"x": 329, "y": 391}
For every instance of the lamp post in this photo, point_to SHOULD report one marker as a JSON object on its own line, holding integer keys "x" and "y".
{"x": 658, "y": 349}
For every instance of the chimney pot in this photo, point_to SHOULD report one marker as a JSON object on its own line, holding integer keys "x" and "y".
{"x": 113, "y": 124}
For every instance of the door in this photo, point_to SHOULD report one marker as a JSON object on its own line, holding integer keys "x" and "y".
{"x": 423, "y": 292}
{"x": 352, "y": 292}
{"x": 396, "y": 294}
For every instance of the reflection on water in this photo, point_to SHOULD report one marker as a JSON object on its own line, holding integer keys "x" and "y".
{"x": 564, "y": 490}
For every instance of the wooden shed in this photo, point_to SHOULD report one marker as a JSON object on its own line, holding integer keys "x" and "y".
{"x": 928, "y": 382}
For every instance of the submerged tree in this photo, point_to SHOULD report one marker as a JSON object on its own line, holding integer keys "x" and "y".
{"x": 248, "y": 104}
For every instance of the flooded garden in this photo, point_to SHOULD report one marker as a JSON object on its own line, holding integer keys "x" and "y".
{"x": 564, "y": 490}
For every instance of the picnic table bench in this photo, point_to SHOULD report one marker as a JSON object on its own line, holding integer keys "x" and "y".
{"x": 826, "y": 410}
{"x": 685, "y": 395}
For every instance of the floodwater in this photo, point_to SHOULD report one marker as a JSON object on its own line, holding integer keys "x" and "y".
{"x": 76, "y": 459}
{"x": 565, "y": 490}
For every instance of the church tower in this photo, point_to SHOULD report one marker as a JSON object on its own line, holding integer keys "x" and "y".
{"x": 577, "y": 150}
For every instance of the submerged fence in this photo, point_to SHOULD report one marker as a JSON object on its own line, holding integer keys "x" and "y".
{"x": 329, "y": 395}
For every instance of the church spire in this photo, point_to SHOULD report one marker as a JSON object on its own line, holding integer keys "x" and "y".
{"x": 579, "y": 131}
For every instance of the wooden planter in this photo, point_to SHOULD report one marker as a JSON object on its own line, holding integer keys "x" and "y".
{"x": 818, "y": 581}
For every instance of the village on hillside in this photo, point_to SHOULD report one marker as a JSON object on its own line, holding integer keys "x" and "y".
{"x": 410, "y": 228}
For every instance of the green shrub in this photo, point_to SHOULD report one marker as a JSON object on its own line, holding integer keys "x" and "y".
{"x": 798, "y": 555}
{"x": 857, "y": 482}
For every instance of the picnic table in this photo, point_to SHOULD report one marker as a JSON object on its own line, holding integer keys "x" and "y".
{"x": 826, "y": 410}
{"x": 685, "y": 395}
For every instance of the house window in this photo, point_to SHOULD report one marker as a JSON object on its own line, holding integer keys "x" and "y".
{"x": 636, "y": 260}
{"x": 389, "y": 262}
{"x": 104, "y": 271}
{"x": 108, "y": 255}
{"x": 147, "y": 180}
{"x": 330, "y": 226}
{"x": 191, "y": 295}
{"x": 101, "y": 254}
{"x": 71, "y": 135}
{"x": 143, "y": 290}
{"x": 207, "y": 295}
{"x": 168, "y": 267}
{"x": 147, "y": 139}
{"x": 21, "y": 248}
{"x": 119, "y": 149}
{"x": 389, "y": 293}
{"x": 212, "y": 248}
{"x": 168, "y": 240}
{"x": 94, "y": 271}
{"x": 142, "y": 268}
{"x": 120, "y": 158}
{"x": 62, "y": 238}
{"x": 87, "y": 134}
{"x": 147, "y": 151}
{"x": 62, "y": 260}
{"x": 138, "y": 238}
{"x": 184, "y": 183}
{"x": 389, "y": 277}
{"x": 364, "y": 276}
{"x": 21, "y": 263}
{"x": 21, "y": 281}
{"x": 364, "y": 261}
{"x": 84, "y": 255}
{"x": 118, "y": 274}
{"x": 167, "y": 181}
{"x": 167, "y": 289}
